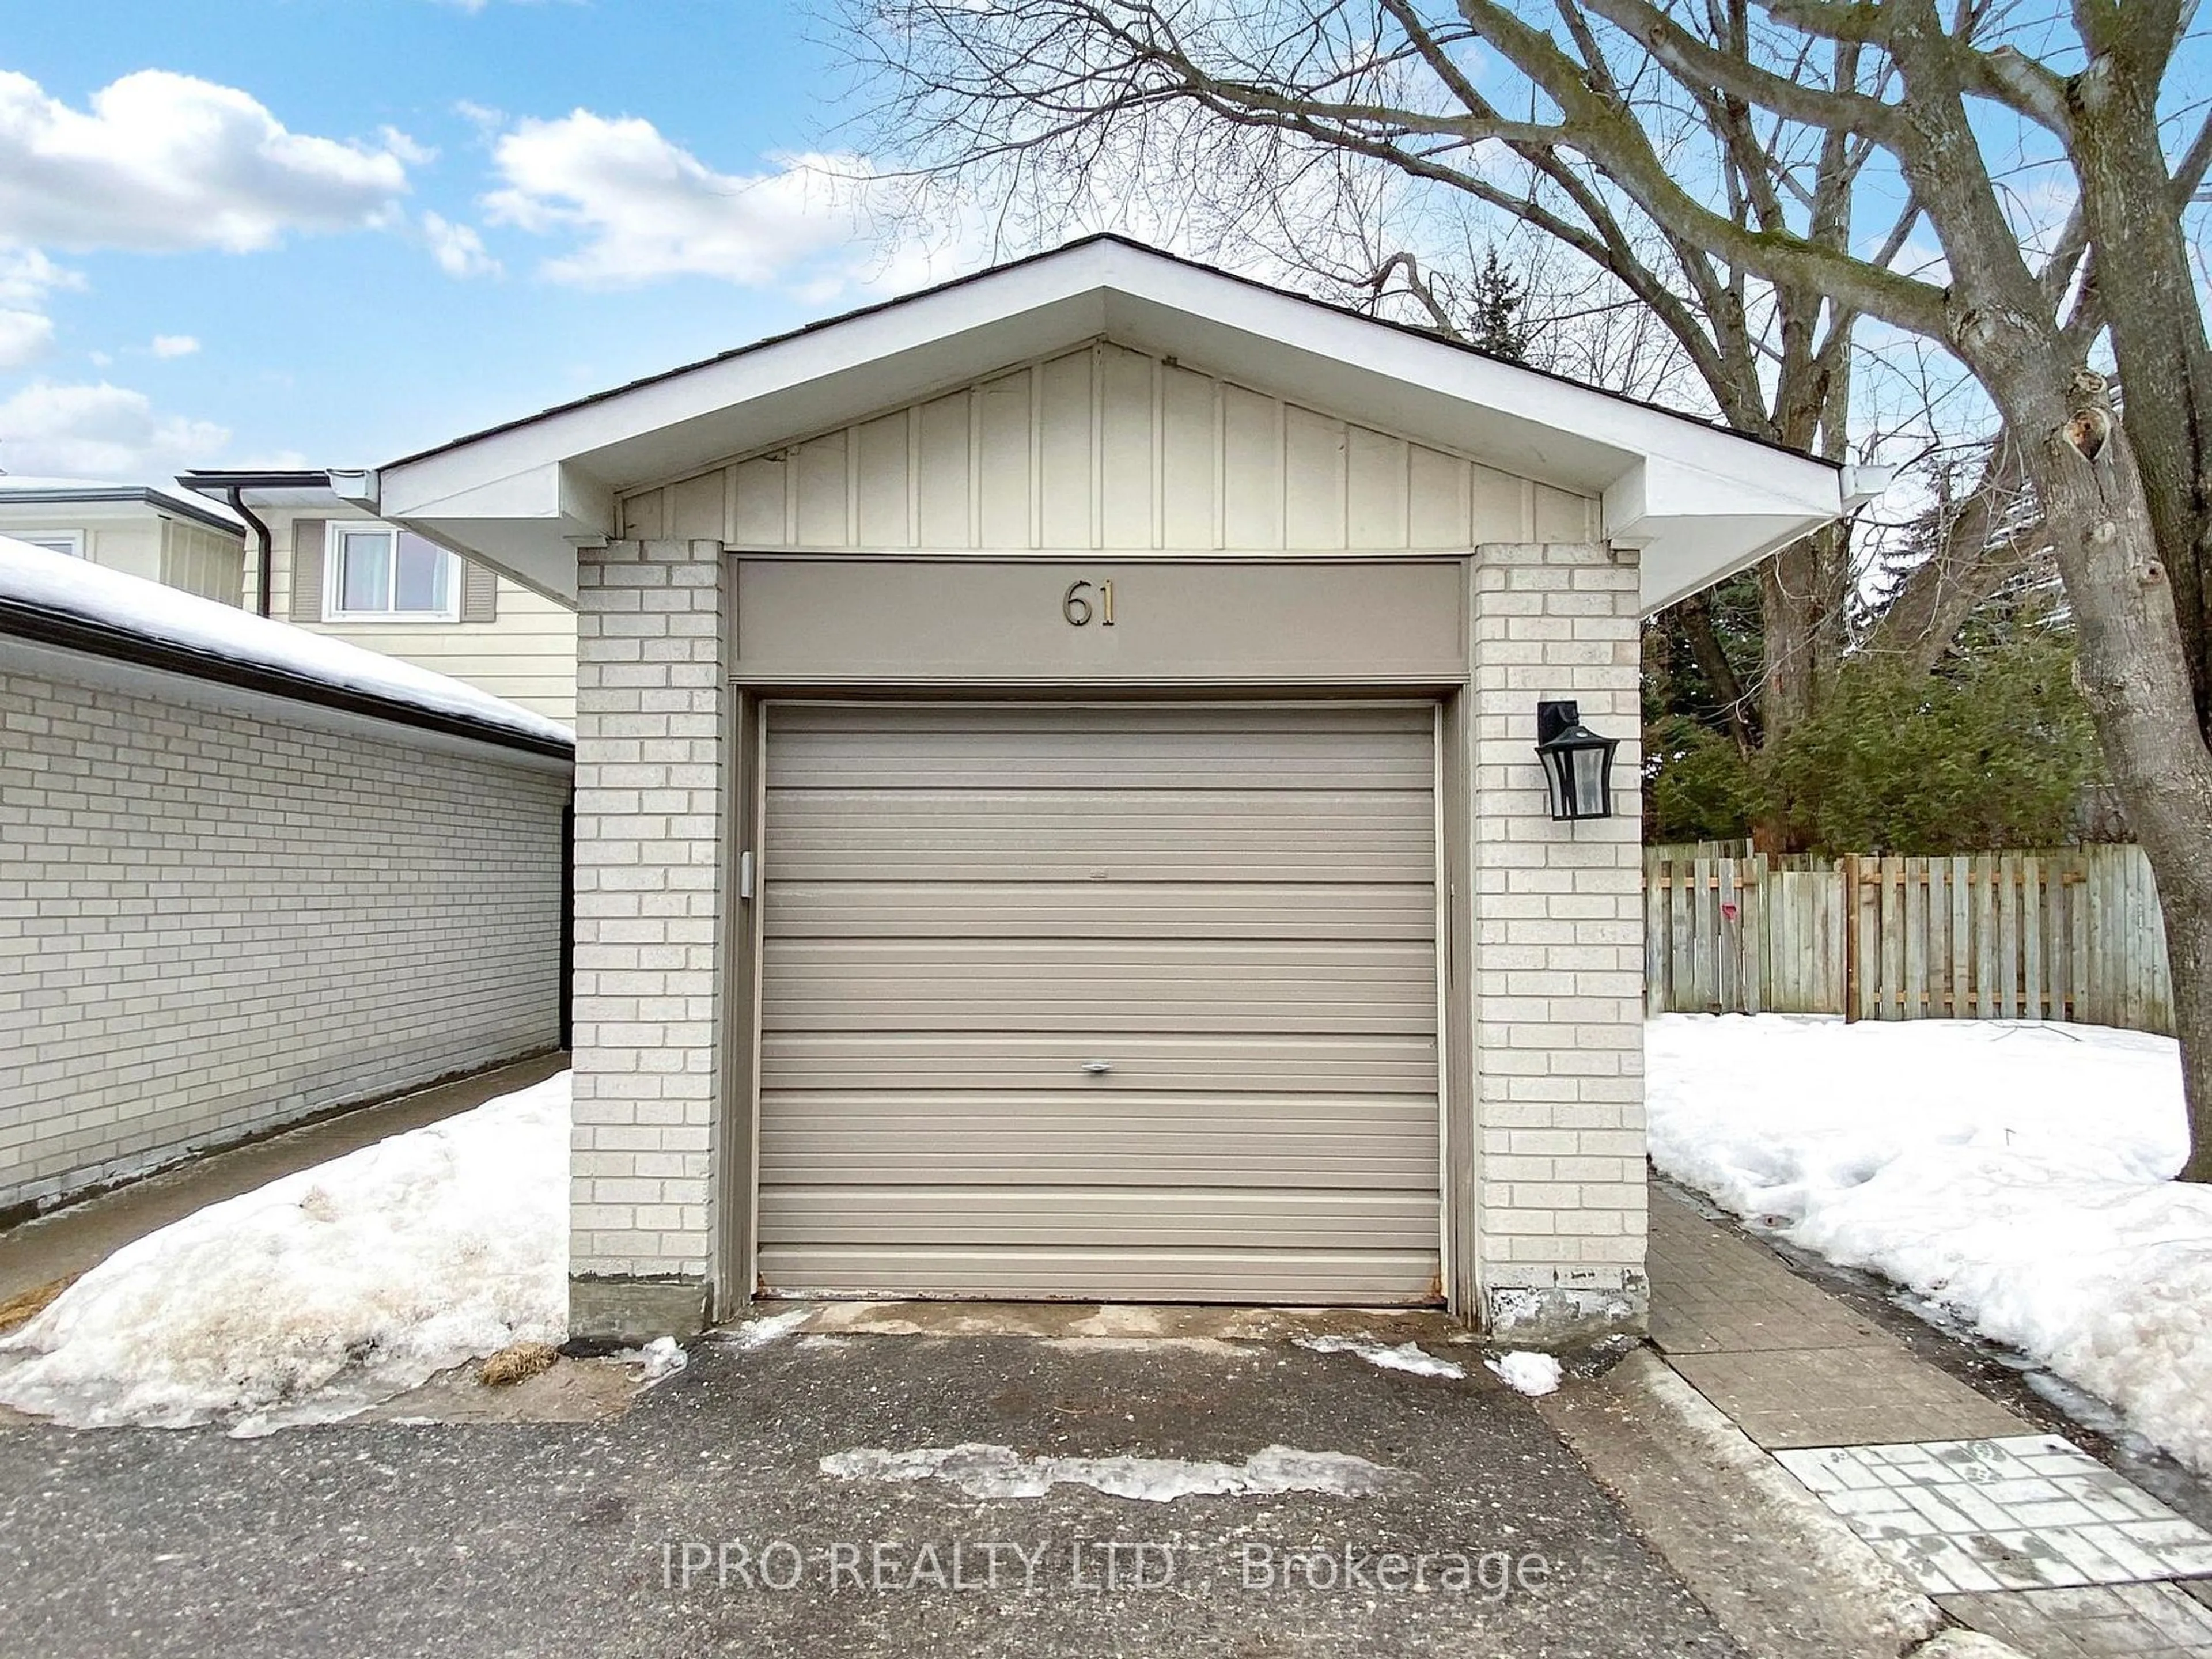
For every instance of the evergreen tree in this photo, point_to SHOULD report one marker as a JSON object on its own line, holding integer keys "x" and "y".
{"x": 1499, "y": 298}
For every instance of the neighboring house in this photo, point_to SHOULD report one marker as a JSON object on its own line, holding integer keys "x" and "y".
{"x": 248, "y": 875}
{"x": 332, "y": 569}
{"x": 1057, "y": 812}
{"x": 161, "y": 533}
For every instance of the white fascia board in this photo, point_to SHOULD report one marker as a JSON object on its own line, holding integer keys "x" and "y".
{"x": 875, "y": 360}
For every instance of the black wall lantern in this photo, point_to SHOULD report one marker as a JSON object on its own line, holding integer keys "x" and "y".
{"x": 1578, "y": 763}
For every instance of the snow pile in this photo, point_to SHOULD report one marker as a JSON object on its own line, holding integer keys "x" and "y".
{"x": 324, "y": 1292}
{"x": 982, "y": 1471}
{"x": 2018, "y": 1176}
{"x": 664, "y": 1356}
{"x": 1406, "y": 1357}
{"x": 1532, "y": 1374}
{"x": 74, "y": 588}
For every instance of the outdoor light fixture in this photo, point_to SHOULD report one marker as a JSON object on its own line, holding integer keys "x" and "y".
{"x": 1578, "y": 763}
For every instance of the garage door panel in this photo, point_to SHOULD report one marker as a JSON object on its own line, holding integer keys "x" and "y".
{"x": 1358, "y": 1278}
{"x": 1115, "y": 1137}
{"x": 1189, "y": 1217}
{"x": 1077, "y": 1016}
{"x": 1340, "y": 909}
{"x": 1294, "y": 1061}
{"x": 1100, "y": 856}
{"x": 1235, "y": 907}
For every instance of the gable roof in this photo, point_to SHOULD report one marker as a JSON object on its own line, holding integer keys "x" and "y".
{"x": 1700, "y": 501}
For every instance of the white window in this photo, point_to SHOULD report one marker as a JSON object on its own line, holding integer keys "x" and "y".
{"x": 377, "y": 574}
{"x": 71, "y": 542}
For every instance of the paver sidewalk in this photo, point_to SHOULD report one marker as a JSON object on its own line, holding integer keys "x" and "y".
{"x": 2014, "y": 1532}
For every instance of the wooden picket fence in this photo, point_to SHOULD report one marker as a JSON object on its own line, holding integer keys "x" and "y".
{"x": 2073, "y": 935}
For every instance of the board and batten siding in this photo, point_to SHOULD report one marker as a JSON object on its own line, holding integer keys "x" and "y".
{"x": 201, "y": 561}
{"x": 1106, "y": 447}
{"x": 526, "y": 653}
{"x": 140, "y": 541}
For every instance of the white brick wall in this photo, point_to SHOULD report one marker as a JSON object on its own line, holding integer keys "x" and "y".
{"x": 215, "y": 919}
{"x": 649, "y": 687}
{"x": 1558, "y": 947}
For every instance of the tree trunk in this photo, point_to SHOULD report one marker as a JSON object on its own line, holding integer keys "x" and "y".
{"x": 2134, "y": 670}
{"x": 1712, "y": 660}
{"x": 1800, "y": 614}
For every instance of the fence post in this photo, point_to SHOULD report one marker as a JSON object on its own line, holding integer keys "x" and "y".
{"x": 1849, "y": 867}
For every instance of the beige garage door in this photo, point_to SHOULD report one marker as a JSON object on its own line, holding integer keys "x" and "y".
{"x": 1132, "y": 1002}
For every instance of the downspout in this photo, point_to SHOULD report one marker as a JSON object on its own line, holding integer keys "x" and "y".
{"x": 262, "y": 547}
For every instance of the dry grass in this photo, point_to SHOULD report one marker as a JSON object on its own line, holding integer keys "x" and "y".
{"x": 27, "y": 1305}
{"x": 512, "y": 1365}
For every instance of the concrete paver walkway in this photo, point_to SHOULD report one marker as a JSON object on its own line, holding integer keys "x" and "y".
{"x": 1791, "y": 1364}
{"x": 82, "y": 1236}
{"x": 1797, "y": 1369}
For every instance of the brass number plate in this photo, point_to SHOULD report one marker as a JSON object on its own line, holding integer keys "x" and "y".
{"x": 1080, "y": 609}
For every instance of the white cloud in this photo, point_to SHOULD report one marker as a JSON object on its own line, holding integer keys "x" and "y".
{"x": 457, "y": 249}
{"x": 162, "y": 162}
{"x": 25, "y": 336}
{"x": 100, "y": 431}
{"x": 27, "y": 277}
{"x": 174, "y": 345}
{"x": 642, "y": 208}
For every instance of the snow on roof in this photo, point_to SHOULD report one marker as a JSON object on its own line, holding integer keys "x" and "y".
{"x": 73, "y": 588}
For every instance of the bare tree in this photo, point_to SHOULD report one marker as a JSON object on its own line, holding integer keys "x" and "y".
{"x": 1275, "y": 126}
{"x": 1761, "y": 180}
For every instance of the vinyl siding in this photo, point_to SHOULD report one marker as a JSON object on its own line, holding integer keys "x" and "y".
{"x": 134, "y": 539}
{"x": 526, "y": 653}
{"x": 201, "y": 561}
{"x": 1107, "y": 448}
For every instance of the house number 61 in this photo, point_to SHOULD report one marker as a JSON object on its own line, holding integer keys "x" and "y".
{"x": 1079, "y": 609}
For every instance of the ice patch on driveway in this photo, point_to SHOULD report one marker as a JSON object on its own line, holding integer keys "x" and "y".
{"x": 1406, "y": 1357}
{"x": 981, "y": 1471}
{"x": 759, "y": 1333}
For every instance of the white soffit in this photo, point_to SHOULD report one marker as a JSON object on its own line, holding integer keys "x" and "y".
{"x": 1699, "y": 501}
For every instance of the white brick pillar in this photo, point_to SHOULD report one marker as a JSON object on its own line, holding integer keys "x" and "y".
{"x": 650, "y": 684}
{"x": 1559, "y": 957}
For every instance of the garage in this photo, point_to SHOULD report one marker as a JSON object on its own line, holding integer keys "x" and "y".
{"x": 1058, "y": 811}
{"x": 1130, "y": 1001}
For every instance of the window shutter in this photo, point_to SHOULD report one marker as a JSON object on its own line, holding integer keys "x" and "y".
{"x": 479, "y": 591}
{"x": 307, "y": 561}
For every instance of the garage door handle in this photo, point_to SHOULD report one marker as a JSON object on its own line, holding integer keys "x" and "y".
{"x": 1097, "y": 1067}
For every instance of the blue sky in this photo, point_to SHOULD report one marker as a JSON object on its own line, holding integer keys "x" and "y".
{"x": 359, "y": 226}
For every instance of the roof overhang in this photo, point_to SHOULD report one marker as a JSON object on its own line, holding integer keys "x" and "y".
{"x": 91, "y": 495}
{"x": 1699, "y": 503}
{"x": 303, "y": 489}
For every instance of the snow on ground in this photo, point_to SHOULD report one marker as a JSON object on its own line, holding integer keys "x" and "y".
{"x": 324, "y": 1290}
{"x": 1409, "y": 1356}
{"x": 74, "y": 587}
{"x": 982, "y": 1471}
{"x": 1532, "y": 1374}
{"x": 2018, "y": 1176}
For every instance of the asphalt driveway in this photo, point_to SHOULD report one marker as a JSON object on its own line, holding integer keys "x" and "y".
{"x": 704, "y": 1522}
